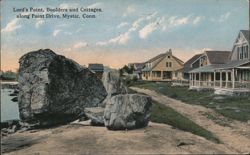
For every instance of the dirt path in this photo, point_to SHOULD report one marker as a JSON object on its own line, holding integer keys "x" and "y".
{"x": 235, "y": 137}
{"x": 77, "y": 139}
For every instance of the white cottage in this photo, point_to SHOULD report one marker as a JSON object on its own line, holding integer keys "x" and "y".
{"x": 227, "y": 74}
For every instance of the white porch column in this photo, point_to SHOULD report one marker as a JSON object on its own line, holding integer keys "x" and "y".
{"x": 233, "y": 78}
{"x": 193, "y": 77}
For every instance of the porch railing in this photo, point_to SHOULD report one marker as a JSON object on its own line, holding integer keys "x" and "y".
{"x": 218, "y": 84}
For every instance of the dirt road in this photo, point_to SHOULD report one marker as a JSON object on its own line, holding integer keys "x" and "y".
{"x": 78, "y": 139}
{"x": 235, "y": 136}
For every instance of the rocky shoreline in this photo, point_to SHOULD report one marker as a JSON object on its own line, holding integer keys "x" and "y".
{"x": 53, "y": 90}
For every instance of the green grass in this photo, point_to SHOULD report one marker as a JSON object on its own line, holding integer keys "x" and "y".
{"x": 163, "y": 114}
{"x": 233, "y": 107}
{"x": 220, "y": 121}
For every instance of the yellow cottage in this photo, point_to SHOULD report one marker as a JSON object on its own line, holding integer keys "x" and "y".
{"x": 163, "y": 67}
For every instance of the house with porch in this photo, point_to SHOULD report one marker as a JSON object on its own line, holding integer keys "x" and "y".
{"x": 163, "y": 67}
{"x": 190, "y": 65}
{"x": 98, "y": 69}
{"x": 137, "y": 69}
{"x": 225, "y": 72}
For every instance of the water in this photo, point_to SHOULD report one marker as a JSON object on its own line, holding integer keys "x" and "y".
{"x": 9, "y": 109}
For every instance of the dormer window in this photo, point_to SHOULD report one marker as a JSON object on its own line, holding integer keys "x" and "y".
{"x": 242, "y": 52}
{"x": 246, "y": 51}
{"x": 168, "y": 64}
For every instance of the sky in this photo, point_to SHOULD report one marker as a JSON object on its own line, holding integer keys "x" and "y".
{"x": 124, "y": 32}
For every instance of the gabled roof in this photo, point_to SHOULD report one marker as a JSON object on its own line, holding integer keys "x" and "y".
{"x": 205, "y": 69}
{"x": 214, "y": 67}
{"x": 178, "y": 60}
{"x": 156, "y": 57}
{"x": 218, "y": 57}
{"x": 246, "y": 34}
{"x": 187, "y": 65}
{"x": 96, "y": 67}
{"x": 159, "y": 58}
{"x": 234, "y": 64}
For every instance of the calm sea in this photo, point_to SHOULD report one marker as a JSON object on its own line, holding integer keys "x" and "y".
{"x": 9, "y": 109}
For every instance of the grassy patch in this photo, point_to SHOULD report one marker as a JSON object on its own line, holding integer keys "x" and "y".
{"x": 220, "y": 121}
{"x": 235, "y": 107}
{"x": 163, "y": 114}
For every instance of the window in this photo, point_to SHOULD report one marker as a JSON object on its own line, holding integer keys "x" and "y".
{"x": 241, "y": 52}
{"x": 158, "y": 74}
{"x": 168, "y": 64}
{"x": 245, "y": 51}
{"x": 238, "y": 53}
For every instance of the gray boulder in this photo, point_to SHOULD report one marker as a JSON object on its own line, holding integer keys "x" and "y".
{"x": 54, "y": 89}
{"x": 95, "y": 114}
{"x": 127, "y": 111}
{"x": 113, "y": 85}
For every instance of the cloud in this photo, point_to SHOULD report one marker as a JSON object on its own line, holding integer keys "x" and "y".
{"x": 174, "y": 21}
{"x": 12, "y": 26}
{"x": 130, "y": 9}
{"x": 151, "y": 16}
{"x": 198, "y": 19}
{"x": 224, "y": 17}
{"x": 56, "y": 32}
{"x": 122, "y": 24}
{"x": 123, "y": 38}
{"x": 95, "y": 5}
{"x": 144, "y": 32}
{"x": 39, "y": 23}
{"x": 80, "y": 45}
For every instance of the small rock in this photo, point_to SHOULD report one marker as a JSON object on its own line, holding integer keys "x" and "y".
{"x": 12, "y": 94}
{"x": 15, "y": 99}
{"x": 95, "y": 114}
{"x": 182, "y": 143}
{"x": 78, "y": 122}
{"x": 219, "y": 98}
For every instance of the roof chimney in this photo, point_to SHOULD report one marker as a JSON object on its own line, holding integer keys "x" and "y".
{"x": 170, "y": 51}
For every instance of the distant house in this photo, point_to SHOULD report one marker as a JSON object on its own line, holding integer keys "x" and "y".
{"x": 97, "y": 69}
{"x": 225, "y": 72}
{"x": 190, "y": 65}
{"x": 137, "y": 69}
{"x": 163, "y": 67}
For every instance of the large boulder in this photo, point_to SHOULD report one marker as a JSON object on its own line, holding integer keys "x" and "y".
{"x": 54, "y": 89}
{"x": 127, "y": 111}
{"x": 113, "y": 85}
